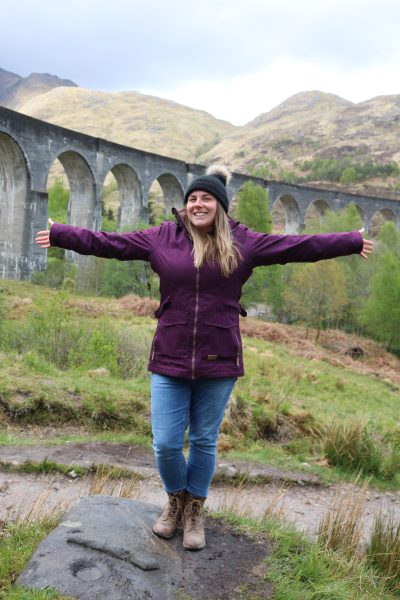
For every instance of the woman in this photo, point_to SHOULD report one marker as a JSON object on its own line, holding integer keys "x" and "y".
{"x": 203, "y": 259}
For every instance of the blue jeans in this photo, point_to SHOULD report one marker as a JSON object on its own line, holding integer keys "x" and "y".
{"x": 175, "y": 404}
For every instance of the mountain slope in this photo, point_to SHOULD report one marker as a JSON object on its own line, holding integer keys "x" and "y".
{"x": 314, "y": 125}
{"x": 16, "y": 90}
{"x": 285, "y": 143}
{"x": 133, "y": 119}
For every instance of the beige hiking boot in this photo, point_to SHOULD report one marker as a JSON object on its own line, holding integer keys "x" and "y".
{"x": 168, "y": 522}
{"x": 193, "y": 523}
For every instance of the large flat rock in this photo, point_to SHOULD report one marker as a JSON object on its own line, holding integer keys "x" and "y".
{"x": 104, "y": 547}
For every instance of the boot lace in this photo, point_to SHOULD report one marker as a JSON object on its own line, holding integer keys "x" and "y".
{"x": 194, "y": 510}
{"x": 172, "y": 507}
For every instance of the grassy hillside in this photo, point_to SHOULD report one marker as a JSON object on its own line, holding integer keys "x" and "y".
{"x": 312, "y": 137}
{"x": 133, "y": 119}
{"x": 54, "y": 389}
{"x": 314, "y": 126}
{"x": 81, "y": 362}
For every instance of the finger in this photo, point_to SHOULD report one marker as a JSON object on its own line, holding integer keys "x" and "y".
{"x": 361, "y": 230}
{"x": 50, "y": 222}
{"x": 41, "y": 241}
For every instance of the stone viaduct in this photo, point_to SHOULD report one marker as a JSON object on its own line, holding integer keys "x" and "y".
{"x": 29, "y": 147}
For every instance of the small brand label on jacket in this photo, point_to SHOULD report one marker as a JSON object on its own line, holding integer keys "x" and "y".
{"x": 212, "y": 357}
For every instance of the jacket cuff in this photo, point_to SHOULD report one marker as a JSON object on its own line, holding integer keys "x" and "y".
{"x": 55, "y": 229}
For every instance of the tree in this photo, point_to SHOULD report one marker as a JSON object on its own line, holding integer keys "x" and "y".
{"x": 348, "y": 176}
{"x": 316, "y": 293}
{"x": 253, "y": 207}
{"x": 381, "y": 315}
{"x": 389, "y": 237}
{"x": 253, "y": 211}
{"x": 58, "y": 198}
{"x": 128, "y": 277}
{"x": 357, "y": 272}
{"x": 348, "y": 219}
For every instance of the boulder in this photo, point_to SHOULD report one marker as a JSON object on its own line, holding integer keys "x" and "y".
{"x": 104, "y": 547}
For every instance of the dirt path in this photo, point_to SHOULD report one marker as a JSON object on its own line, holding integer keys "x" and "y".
{"x": 297, "y": 497}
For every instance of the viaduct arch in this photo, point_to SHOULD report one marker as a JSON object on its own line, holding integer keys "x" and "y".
{"x": 28, "y": 148}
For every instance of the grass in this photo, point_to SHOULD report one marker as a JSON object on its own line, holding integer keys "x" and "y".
{"x": 15, "y": 436}
{"x": 279, "y": 415}
{"x": 340, "y": 528}
{"x": 314, "y": 386}
{"x": 48, "y": 467}
{"x": 383, "y": 551}
{"x": 19, "y": 539}
{"x": 351, "y": 446}
{"x": 300, "y": 569}
{"x": 17, "y": 542}
{"x": 71, "y": 397}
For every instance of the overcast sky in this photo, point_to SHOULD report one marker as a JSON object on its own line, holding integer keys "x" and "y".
{"x": 234, "y": 59}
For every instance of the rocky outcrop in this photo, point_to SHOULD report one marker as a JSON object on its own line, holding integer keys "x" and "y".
{"x": 105, "y": 548}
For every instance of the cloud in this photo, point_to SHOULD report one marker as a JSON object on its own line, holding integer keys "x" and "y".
{"x": 241, "y": 99}
{"x": 232, "y": 58}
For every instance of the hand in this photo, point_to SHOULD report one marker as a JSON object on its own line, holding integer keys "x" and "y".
{"x": 367, "y": 246}
{"x": 43, "y": 237}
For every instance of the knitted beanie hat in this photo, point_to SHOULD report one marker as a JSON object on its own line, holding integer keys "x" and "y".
{"x": 214, "y": 182}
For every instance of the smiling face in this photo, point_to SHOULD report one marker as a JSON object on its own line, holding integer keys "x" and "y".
{"x": 201, "y": 209}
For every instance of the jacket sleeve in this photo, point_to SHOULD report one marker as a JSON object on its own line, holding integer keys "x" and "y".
{"x": 135, "y": 245}
{"x": 266, "y": 249}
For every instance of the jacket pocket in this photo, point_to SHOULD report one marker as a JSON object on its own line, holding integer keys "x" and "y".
{"x": 221, "y": 336}
{"x": 171, "y": 337}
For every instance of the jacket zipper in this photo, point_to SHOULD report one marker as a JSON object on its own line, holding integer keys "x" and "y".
{"x": 195, "y": 322}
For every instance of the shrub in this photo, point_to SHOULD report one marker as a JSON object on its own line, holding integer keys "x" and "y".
{"x": 3, "y": 311}
{"x": 132, "y": 353}
{"x": 53, "y": 336}
{"x": 383, "y": 550}
{"x": 348, "y": 176}
{"x": 352, "y": 447}
{"x": 341, "y": 527}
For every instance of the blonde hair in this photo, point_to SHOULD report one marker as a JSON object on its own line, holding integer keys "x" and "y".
{"x": 217, "y": 246}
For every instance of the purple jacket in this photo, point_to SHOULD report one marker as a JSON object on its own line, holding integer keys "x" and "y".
{"x": 198, "y": 332}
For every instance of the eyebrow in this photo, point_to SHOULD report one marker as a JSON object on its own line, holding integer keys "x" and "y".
{"x": 204, "y": 195}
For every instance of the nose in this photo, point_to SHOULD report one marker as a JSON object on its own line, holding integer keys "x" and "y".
{"x": 199, "y": 203}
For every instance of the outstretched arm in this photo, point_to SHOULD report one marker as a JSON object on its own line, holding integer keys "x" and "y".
{"x": 267, "y": 249}
{"x": 136, "y": 245}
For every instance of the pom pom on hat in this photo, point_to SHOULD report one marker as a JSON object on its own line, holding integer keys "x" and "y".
{"x": 221, "y": 172}
{"x": 214, "y": 182}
